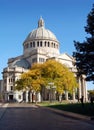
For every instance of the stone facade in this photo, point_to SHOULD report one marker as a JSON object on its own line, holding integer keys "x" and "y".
{"x": 40, "y": 45}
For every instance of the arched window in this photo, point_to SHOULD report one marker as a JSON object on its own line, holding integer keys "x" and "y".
{"x": 41, "y": 44}
{"x": 26, "y": 46}
{"x": 9, "y": 80}
{"x": 48, "y": 44}
{"x": 45, "y": 43}
{"x": 30, "y": 44}
{"x": 54, "y": 45}
{"x": 33, "y": 44}
{"x": 38, "y": 44}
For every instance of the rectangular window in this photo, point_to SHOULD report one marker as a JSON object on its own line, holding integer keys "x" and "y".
{"x": 11, "y": 88}
{"x": 34, "y": 60}
{"x": 9, "y": 80}
{"x": 5, "y": 88}
{"x": 19, "y": 96}
{"x": 5, "y": 81}
{"x": 41, "y": 59}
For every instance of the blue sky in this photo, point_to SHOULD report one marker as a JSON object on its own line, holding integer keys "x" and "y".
{"x": 65, "y": 18}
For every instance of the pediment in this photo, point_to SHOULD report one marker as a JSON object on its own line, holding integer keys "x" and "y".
{"x": 65, "y": 56}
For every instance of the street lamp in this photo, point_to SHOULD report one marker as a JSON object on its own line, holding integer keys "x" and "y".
{"x": 51, "y": 87}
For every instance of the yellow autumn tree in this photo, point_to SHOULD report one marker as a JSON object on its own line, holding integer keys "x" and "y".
{"x": 31, "y": 79}
{"x": 50, "y": 71}
{"x": 24, "y": 82}
{"x": 62, "y": 77}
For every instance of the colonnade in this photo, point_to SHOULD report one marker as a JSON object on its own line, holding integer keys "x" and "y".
{"x": 76, "y": 95}
{"x": 81, "y": 90}
{"x": 31, "y": 96}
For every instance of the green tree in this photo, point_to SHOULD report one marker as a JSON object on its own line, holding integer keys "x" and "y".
{"x": 85, "y": 51}
{"x": 91, "y": 92}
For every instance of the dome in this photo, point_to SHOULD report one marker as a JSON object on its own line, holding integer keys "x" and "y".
{"x": 41, "y": 39}
{"x": 41, "y": 33}
{"x": 22, "y": 63}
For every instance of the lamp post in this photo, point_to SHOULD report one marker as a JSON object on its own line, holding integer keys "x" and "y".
{"x": 51, "y": 87}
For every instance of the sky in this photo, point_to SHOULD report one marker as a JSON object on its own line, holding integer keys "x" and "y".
{"x": 65, "y": 18}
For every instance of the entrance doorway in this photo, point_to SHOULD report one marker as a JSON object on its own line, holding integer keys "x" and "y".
{"x": 10, "y": 97}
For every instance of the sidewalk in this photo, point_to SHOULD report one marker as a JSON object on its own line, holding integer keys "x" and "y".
{"x": 3, "y": 107}
{"x": 70, "y": 114}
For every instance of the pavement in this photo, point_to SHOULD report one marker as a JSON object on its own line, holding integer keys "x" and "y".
{"x": 3, "y": 107}
{"x": 27, "y": 117}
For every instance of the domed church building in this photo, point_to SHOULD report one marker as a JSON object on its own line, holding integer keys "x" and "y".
{"x": 40, "y": 45}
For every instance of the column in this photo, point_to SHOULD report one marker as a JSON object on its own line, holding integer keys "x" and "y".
{"x": 60, "y": 98}
{"x": 79, "y": 89}
{"x": 73, "y": 95}
{"x": 6, "y": 97}
{"x": 34, "y": 97}
{"x": 84, "y": 89}
{"x": 39, "y": 97}
{"x": 30, "y": 96}
{"x": 27, "y": 96}
{"x": 66, "y": 95}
